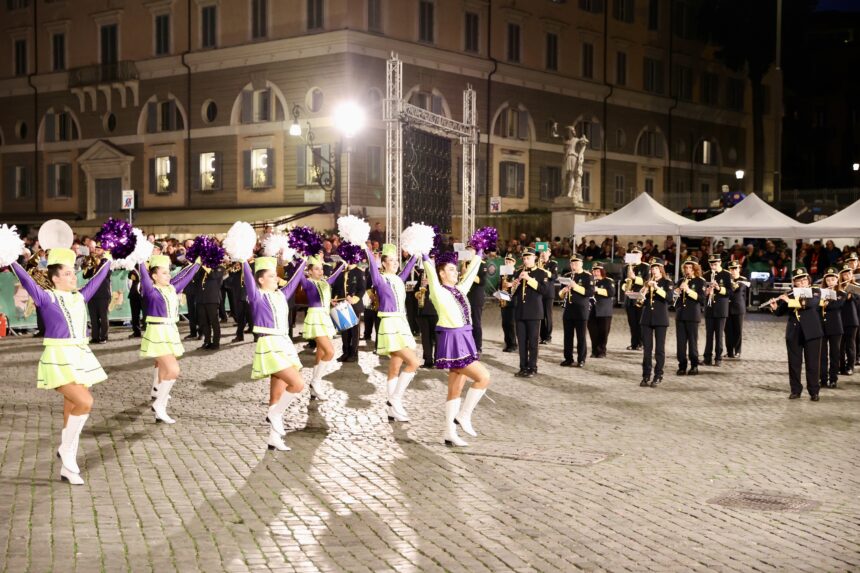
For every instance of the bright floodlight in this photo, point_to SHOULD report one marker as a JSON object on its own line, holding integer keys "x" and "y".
{"x": 739, "y": 174}
{"x": 349, "y": 118}
{"x": 295, "y": 129}
{"x": 856, "y": 167}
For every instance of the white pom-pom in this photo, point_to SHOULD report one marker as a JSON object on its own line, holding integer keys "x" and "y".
{"x": 11, "y": 245}
{"x": 240, "y": 241}
{"x": 353, "y": 229}
{"x": 141, "y": 253}
{"x": 278, "y": 245}
{"x": 417, "y": 239}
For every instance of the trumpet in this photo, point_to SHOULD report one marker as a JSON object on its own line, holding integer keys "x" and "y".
{"x": 421, "y": 296}
{"x": 680, "y": 293}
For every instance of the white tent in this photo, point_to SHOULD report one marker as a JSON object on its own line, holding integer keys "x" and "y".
{"x": 642, "y": 216}
{"x": 845, "y": 223}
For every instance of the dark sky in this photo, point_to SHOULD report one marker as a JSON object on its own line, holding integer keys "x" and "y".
{"x": 838, "y": 6}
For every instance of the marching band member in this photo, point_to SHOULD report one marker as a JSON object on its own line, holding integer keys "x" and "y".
{"x": 67, "y": 364}
{"x": 160, "y": 297}
{"x": 351, "y": 288}
{"x": 318, "y": 325}
{"x": 716, "y": 309}
{"x": 600, "y": 318}
{"x": 529, "y": 287}
{"x": 737, "y": 311}
{"x": 850, "y": 323}
{"x": 427, "y": 319}
{"x": 509, "y": 324}
{"x": 636, "y": 275}
{"x": 477, "y": 296}
{"x": 689, "y": 296}
{"x": 658, "y": 292}
{"x": 394, "y": 335}
{"x": 550, "y": 267}
{"x": 831, "y": 323}
{"x": 275, "y": 357}
{"x": 577, "y": 305}
{"x": 456, "y": 350}
{"x": 853, "y": 263}
{"x": 803, "y": 334}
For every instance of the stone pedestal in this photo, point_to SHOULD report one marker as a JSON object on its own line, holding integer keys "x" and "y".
{"x": 566, "y": 216}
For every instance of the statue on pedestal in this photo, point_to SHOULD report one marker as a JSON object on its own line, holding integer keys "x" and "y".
{"x": 574, "y": 156}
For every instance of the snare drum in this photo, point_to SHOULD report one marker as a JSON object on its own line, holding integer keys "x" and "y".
{"x": 343, "y": 316}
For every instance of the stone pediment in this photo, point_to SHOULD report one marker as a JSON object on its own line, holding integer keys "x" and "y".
{"x": 103, "y": 150}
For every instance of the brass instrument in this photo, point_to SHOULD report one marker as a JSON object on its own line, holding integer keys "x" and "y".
{"x": 505, "y": 285}
{"x": 374, "y": 299}
{"x": 39, "y": 274}
{"x": 680, "y": 293}
{"x": 421, "y": 296}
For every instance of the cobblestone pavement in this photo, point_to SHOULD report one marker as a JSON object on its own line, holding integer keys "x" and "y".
{"x": 573, "y": 470}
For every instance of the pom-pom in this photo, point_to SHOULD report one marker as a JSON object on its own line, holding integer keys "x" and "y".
{"x": 11, "y": 245}
{"x": 417, "y": 239}
{"x": 443, "y": 259}
{"x": 485, "y": 239}
{"x": 116, "y": 236}
{"x": 278, "y": 245}
{"x": 239, "y": 242}
{"x": 437, "y": 243}
{"x": 353, "y": 229}
{"x": 351, "y": 254}
{"x": 140, "y": 254}
{"x": 207, "y": 248}
{"x": 305, "y": 241}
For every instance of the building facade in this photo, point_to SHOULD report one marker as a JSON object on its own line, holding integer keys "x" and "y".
{"x": 190, "y": 103}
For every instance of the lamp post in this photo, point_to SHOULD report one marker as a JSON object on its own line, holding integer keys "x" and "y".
{"x": 739, "y": 175}
{"x": 349, "y": 118}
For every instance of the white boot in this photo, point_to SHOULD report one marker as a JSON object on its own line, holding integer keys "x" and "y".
{"x": 397, "y": 402}
{"x": 275, "y": 442}
{"x": 317, "y": 390}
{"x": 153, "y": 394}
{"x": 451, "y": 437}
{"x": 160, "y": 404}
{"x": 275, "y": 416}
{"x": 464, "y": 416}
{"x": 70, "y": 476}
{"x": 68, "y": 451}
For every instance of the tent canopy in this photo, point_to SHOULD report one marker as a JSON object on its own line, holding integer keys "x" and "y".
{"x": 642, "y": 216}
{"x": 845, "y": 223}
{"x": 752, "y": 217}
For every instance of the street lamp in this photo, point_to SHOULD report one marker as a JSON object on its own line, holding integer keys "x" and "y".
{"x": 739, "y": 175}
{"x": 349, "y": 118}
{"x": 855, "y": 167}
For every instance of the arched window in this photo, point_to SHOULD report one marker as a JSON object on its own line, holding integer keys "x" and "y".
{"x": 650, "y": 143}
{"x": 512, "y": 122}
{"x": 162, "y": 114}
{"x": 60, "y": 125}
{"x": 707, "y": 152}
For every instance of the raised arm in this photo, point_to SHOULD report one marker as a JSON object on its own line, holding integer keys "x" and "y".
{"x": 289, "y": 289}
{"x": 37, "y": 293}
{"x": 430, "y": 273}
{"x": 410, "y": 264}
{"x": 250, "y": 282}
{"x": 89, "y": 289}
{"x": 374, "y": 270}
{"x": 146, "y": 286}
{"x": 184, "y": 277}
{"x": 468, "y": 279}
{"x": 336, "y": 273}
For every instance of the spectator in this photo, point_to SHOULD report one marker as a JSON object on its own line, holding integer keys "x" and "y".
{"x": 377, "y": 235}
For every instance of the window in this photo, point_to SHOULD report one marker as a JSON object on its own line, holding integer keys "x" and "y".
{"x": 425, "y": 21}
{"x": 593, "y": 6}
{"x": 17, "y": 4}
{"x": 109, "y": 43}
{"x": 58, "y": 52}
{"x": 259, "y": 19}
{"x": 59, "y": 180}
{"x": 480, "y": 176}
{"x": 513, "y": 123}
{"x": 259, "y": 168}
{"x": 210, "y": 171}
{"x": 591, "y": 131}
{"x": 683, "y": 84}
{"x": 552, "y": 51}
{"x": 310, "y": 167}
{"x": 653, "y": 76}
{"x": 314, "y": 100}
{"x": 256, "y": 106}
{"x": 587, "y": 60}
{"x": 471, "y": 43}
{"x": 686, "y": 24}
{"x": 622, "y": 10}
{"x": 707, "y": 155}
{"x": 21, "y": 57}
{"x": 620, "y": 139}
{"x": 550, "y": 182}
{"x": 586, "y": 186}
{"x": 162, "y": 175}
{"x": 315, "y": 14}
{"x": 60, "y": 127}
{"x": 621, "y": 68}
{"x": 514, "y": 43}
{"x": 620, "y": 193}
{"x": 735, "y": 94}
{"x": 427, "y": 100}
{"x": 710, "y": 88}
{"x": 374, "y": 165}
{"x": 649, "y": 185}
{"x": 208, "y": 26}
{"x": 163, "y": 116}
{"x": 162, "y": 34}
{"x": 374, "y": 15}
{"x": 512, "y": 179}
{"x": 650, "y": 144}
{"x": 17, "y": 182}
{"x": 653, "y": 15}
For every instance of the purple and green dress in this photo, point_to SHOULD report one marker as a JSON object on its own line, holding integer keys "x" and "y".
{"x": 394, "y": 332}
{"x": 161, "y": 336}
{"x": 67, "y": 357}
{"x": 317, "y": 316}
{"x": 455, "y": 345}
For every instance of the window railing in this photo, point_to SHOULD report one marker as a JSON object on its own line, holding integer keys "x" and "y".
{"x": 103, "y": 73}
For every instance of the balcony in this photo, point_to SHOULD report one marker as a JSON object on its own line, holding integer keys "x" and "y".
{"x": 102, "y": 74}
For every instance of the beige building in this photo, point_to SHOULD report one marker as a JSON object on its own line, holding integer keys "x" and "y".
{"x": 189, "y": 103}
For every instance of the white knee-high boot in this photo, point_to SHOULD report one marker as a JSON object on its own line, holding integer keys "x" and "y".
{"x": 275, "y": 416}
{"x": 160, "y": 404}
{"x": 451, "y": 437}
{"x": 317, "y": 390}
{"x": 464, "y": 416}
{"x": 390, "y": 397}
{"x": 153, "y": 394}
{"x": 403, "y": 382}
{"x": 275, "y": 442}
{"x": 69, "y": 449}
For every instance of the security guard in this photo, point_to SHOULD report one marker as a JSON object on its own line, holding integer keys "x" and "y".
{"x": 529, "y": 286}
{"x": 689, "y": 296}
{"x": 654, "y": 322}
{"x": 350, "y": 286}
{"x": 803, "y": 334}
{"x": 551, "y": 268}
{"x": 850, "y": 323}
{"x": 600, "y": 317}
{"x": 737, "y": 311}
{"x": 716, "y": 309}
{"x": 509, "y": 324}
{"x": 636, "y": 275}
{"x": 831, "y": 323}
{"x": 577, "y": 306}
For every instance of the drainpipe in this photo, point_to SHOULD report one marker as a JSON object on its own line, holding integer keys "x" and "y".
{"x": 35, "y": 105}
{"x": 188, "y": 109}
{"x": 489, "y": 112}
{"x": 603, "y": 166}
{"x": 673, "y": 106}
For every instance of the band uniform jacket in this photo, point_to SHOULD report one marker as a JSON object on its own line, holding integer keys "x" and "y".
{"x": 655, "y": 307}
{"x": 210, "y": 287}
{"x": 803, "y": 316}
{"x": 738, "y": 297}
{"x": 527, "y": 301}
{"x": 641, "y": 273}
{"x": 351, "y": 283}
{"x": 104, "y": 290}
{"x": 831, "y": 314}
{"x": 428, "y": 309}
{"x": 849, "y": 312}
{"x": 689, "y": 308}
{"x": 551, "y": 269}
{"x": 604, "y": 303}
{"x": 134, "y": 287}
{"x": 477, "y": 292}
{"x": 578, "y": 305}
{"x": 719, "y": 307}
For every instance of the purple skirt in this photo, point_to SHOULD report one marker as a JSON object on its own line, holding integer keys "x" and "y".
{"x": 455, "y": 347}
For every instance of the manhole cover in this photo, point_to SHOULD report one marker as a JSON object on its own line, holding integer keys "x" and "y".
{"x": 764, "y": 501}
{"x": 533, "y": 453}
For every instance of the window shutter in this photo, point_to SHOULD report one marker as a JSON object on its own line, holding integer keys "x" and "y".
{"x": 198, "y": 173}
{"x": 270, "y": 167}
{"x": 66, "y": 180}
{"x": 503, "y": 179}
{"x": 172, "y": 178}
{"x": 153, "y": 188}
{"x": 247, "y": 106}
{"x": 28, "y": 191}
{"x": 301, "y": 165}
{"x": 50, "y": 127}
{"x": 10, "y": 183}
{"x": 597, "y": 135}
{"x": 503, "y": 123}
{"x": 52, "y": 181}
{"x": 171, "y": 116}
{"x": 325, "y": 153}
{"x": 246, "y": 169}
{"x": 436, "y": 105}
{"x": 544, "y": 182}
{"x": 523, "y": 127}
{"x": 217, "y": 165}
{"x": 152, "y": 117}
{"x": 521, "y": 180}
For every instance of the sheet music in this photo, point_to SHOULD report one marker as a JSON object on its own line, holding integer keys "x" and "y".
{"x": 502, "y": 295}
{"x": 828, "y": 294}
{"x": 506, "y": 270}
{"x": 634, "y": 295}
{"x": 564, "y": 280}
{"x": 633, "y": 258}
{"x": 802, "y": 292}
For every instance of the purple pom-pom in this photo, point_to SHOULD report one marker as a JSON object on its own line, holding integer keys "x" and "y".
{"x": 443, "y": 259}
{"x": 351, "y": 254}
{"x": 437, "y": 243}
{"x": 209, "y": 250}
{"x": 306, "y": 241}
{"x": 485, "y": 239}
{"x": 116, "y": 237}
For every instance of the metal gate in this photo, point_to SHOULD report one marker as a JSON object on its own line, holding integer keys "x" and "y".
{"x": 426, "y": 179}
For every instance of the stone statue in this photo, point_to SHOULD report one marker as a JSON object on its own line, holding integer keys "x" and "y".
{"x": 574, "y": 156}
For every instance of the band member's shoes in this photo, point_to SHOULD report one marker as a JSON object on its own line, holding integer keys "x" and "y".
{"x": 394, "y": 415}
{"x": 681, "y": 372}
{"x": 707, "y": 362}
{"x": 464, "y": 415}
{"x": 452, "y": 407}
{"x": 693, "y": 371}
{"x": 644, "y": 382}
{"x": 70, "y": 476}
{"x": 530, "y": 374}
{"x": 793, "y": 396}
{"x": 814, "y": 397}
{"x": 238, "y": 339}
{"x": 428, "y": 365}
{"x": 656, "y": 380}
{"x": 579, "y": 365}
{"x": 275, "y": 442}
{"x": 510, "y": 349}
{"x": 521, "y": 373}
{"x": 567, "y": 363}
{"x": 718, "y": 363}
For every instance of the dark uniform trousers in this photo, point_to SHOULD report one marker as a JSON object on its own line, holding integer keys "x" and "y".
{"x": 136, "y": 313}
{"x": 734, "y": 334}
{"x": 687, "y": 337}
{"x": 633, "y": 313}
{"x": 370, "y": 322}
{"x": 714, "y": 329}
{"x": 427, "y": 325}
{"x": 546, "y": 323}
{"x": 509, "y": 326}
{"x": 191, "y": 315}
{"x": 476, "y": 303}
{"x": 242, "y": 314}
{"x": 571, "y": 328}
{"x": 830, "y": 359}
{"x": 209, "y": 324}
{"x": 98, "y": 308}
{"x": 527, "y": 335}
{"x": 653, "y": 341}
{"x": 350, "y": 338}
{"x": 598, "y": 330}
{"x": 847, "y": 350}
{"x": 802, "y": 351}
